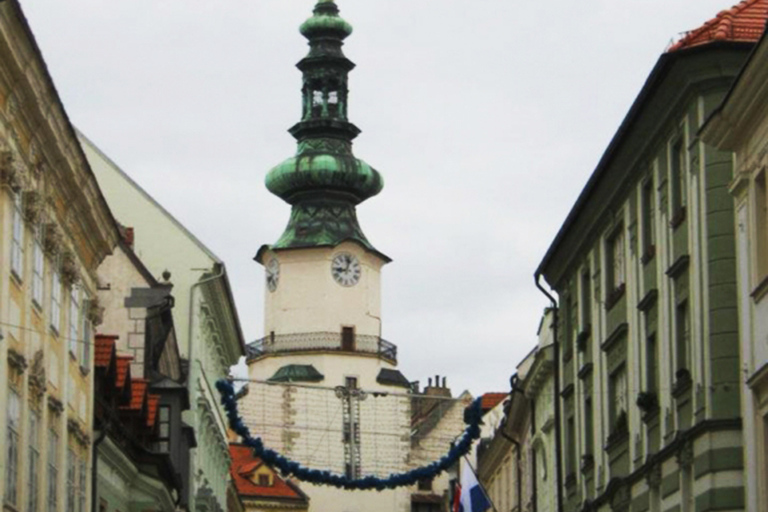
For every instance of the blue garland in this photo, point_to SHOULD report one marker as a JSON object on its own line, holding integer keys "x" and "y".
{"x": 472, "y": 417}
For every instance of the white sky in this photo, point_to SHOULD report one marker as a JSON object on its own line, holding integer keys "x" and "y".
{"x": 485, "y": 117}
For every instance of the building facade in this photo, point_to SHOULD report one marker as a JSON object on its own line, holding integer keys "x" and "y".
{"x": 55, "y": 230}
{"x": 740, "y": 125}
{"x": 207, "y": 327}
{"x": 646, "y": 275}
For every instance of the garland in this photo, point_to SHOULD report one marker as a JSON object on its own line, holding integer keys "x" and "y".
{"x": 472, "y": 417}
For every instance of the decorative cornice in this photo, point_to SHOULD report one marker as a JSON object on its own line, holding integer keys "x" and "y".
{"x": 70, "y": 274}
{"x": 648, "y": 301}
{"x": 53, "y": 240}
{"x": 615, "y": 336}
{"x": 33, "y": 206}
{"x": 55, "y": 405}
{"x": 678, "y": 266}
{"x": 17, "y": 361}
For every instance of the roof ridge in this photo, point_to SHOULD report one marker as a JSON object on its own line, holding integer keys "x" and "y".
{"x": 742, "y": 22}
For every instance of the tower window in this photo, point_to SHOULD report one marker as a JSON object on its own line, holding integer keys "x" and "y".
{"x": 348, "y": 339}
{"x": 317, "y": 98}
{"x": 333, "y": 97}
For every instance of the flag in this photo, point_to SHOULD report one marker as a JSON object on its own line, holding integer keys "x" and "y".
{"x": 470, "y": 495}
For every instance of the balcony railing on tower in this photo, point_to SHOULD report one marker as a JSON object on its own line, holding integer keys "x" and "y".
{"x": 322, "y": 341}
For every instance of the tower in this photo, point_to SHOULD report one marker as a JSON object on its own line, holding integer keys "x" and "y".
{"x": 323, "y": 275}
{"x": 322, "y": 325}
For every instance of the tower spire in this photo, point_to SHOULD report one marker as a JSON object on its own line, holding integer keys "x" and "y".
{"x": 324, "y": 181}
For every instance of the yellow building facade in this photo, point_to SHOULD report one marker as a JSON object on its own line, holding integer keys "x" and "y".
{"x": 55, "y": 229}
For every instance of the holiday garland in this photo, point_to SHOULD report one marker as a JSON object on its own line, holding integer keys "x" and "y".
{"x": 472, "y": 417}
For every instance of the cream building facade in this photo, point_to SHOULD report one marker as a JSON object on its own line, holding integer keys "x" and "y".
{"x": 55, "y": 229}
{"x": 741, "y": 125}
{"x": 206, "y": 321}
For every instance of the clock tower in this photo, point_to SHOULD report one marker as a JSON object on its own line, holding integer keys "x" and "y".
{"x": 323, "y": 291}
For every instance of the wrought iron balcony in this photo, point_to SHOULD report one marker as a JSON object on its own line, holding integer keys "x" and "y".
{"x": 322, "y": 341}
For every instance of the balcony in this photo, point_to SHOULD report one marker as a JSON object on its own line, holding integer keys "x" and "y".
{"x": 322, "y": 341}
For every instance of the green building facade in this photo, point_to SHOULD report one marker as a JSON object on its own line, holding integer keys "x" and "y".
{"x": 645, "y": 272}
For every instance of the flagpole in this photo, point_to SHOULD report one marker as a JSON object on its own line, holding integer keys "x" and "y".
{"x": 480, "y": 484}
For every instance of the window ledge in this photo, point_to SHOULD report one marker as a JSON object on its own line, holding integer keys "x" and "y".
{"x": 615, "y": 296}
{"x": 16, "y": 279}
{"x": 678, "y": 218}
{"x": 648, "y": 255}
{"x": 760, "y": 290}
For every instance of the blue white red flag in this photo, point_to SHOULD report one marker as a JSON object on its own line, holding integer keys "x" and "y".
{"x": 470, "y": 495}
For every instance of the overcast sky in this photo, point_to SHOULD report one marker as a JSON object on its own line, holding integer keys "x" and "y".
{"x": 485, "y": 118}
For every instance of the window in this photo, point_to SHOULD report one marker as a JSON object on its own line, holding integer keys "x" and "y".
{"x": 348, "y": 339}
{"x": 81, "y": 487}
{"x": 651, "y": 364}
{"x": 682, "y": 335}
{"x": 85, "y": 359}
{"x": 264, "y": 480}
{"x": 55, "y": 299}
{"x": 164, "y": 429}
{"x": 588, "y": 426}
{"x": 570, "y": 448}
{"x": 34, "y": 461}
{"x": 615, "y": 263}
{"x": 350, "y": 382}
{"x": 586, "y": 300}
{"x": 39, "y": 268}
{"x": 761, "y": 226}
{"x": 647, "y": 204}
{"x": 53, "y": 471}
{"x": 425, "y": 484}
{"x": 71, "y": 480}
{"x": 17, "y": 243}
{"x": 677, "y": 182}
{"x": 74, "y": 320}
{"x": 617, "y": 388}
{"x": 12, "y": 450}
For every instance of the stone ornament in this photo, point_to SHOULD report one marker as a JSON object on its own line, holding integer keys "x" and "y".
{"x": 70, "y": 274}
{"x": 685, "y": 455}
{"x": 37, "y": 375}
{"x": 653, "y": 478}
{"x": 33, "y": 207}
{"x": 17, "y": 361}
{"x": 95, "y": 312}
{"x": 55, "y": 405}
{"x": 52, "y": 240}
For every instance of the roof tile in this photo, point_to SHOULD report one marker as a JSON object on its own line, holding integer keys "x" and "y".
{"x": 138, "y": 395}
{"x": 154, "y": 402}
{"x": 123, "y": 370}
{"x": 744, "y": 22}
{"x": 491, "y": 400}
{"x": 244, "y": 463}
{"x": 104, "y": 350}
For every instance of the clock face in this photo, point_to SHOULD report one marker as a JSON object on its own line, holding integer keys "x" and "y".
{"x": 345, "y": 269}
{"x": 273, "y": 274}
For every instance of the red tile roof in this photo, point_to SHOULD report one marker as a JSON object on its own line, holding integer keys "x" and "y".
{"x": 244, "y": 464}
{"x": 138, "y": 395}
{"x": 154, "y": 401}
{"x": 104, "y": 350}
{"x": 491, "y": 400}
{"x": 743, "y": 22}
{"x": 123, "y": 370}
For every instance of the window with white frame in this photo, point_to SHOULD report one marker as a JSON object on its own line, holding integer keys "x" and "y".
{"x": 81, "y": 486}
{"x": 53, "y": 471}
{"x": 71, "y": 480}
{"x": 85, "y": 346}
{"x": 615, "y": 261}
{"x": 13, "y": 409}
{"x": 55, "y": 298}
{"x": 34, "y": 461}
{"x": 17, "y": 243}
{"x": 39, "y": 268}
{"x": 617, "y": 387}
{"x": 74, "y": 320}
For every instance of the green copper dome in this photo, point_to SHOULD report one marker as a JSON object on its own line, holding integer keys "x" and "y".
{"x": 324, "y": 181}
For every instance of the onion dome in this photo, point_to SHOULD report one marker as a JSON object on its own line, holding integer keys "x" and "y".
{"x": 324, "y": 181}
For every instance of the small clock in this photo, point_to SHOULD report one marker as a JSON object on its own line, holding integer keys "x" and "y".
{"x": 273, "y": 274}
{"x": 345, "y": 269}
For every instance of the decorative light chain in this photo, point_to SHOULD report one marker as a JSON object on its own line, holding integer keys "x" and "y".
{"x": 472, "y": 417}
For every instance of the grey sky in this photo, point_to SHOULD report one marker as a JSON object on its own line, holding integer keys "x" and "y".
{"x": 485, "y": 118}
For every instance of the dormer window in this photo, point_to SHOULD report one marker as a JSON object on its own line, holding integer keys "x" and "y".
{"x": 264, "y": 481}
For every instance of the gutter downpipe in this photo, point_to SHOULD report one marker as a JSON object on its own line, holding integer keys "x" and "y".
{"x": 190, "y": 365}
{"x": 516, "y": 389}
{"x": 558, "y": 433}
{"x": 94, "y": 467}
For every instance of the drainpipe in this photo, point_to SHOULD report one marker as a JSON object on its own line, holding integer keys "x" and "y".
{"x": 558, "y": 433}
{"x": 94, "y": 468}
{"x": 516, "y": 389}
{"x": 190, "y": 364}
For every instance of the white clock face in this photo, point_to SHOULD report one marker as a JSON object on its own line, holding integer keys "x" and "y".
{"x": 345, "y": 269}
{"x": 273, "y": 274}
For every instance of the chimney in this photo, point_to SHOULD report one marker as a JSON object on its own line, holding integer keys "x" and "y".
{"x": 128, "y": 237}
